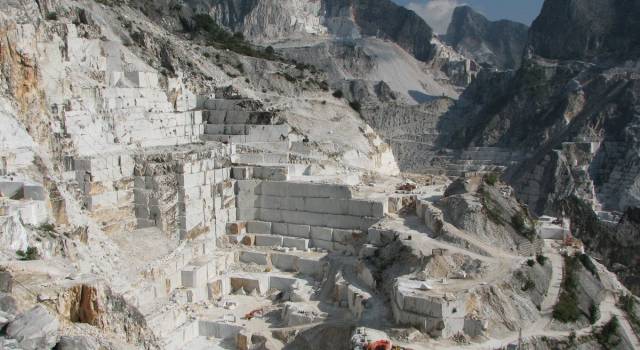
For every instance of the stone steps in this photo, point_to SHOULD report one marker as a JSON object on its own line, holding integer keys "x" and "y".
{"x": 255, "y": 136}
{"x": 165, "y": 277}
{"x": 230, "y": 117}
{"x": 303, "y": 263}
{"x": 300, "y": 236}
{"x": 260, "y": 145}
{"x": 185, "y": 276}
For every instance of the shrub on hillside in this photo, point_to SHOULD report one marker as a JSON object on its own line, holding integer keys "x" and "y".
{"x": 588, "y": 264}
{"x": 30, "y": 254}
{"x": 541, "y": 259}
{"x": 491, "y": 179}
{"x": 567, "y": 310}
{"x": 219, "y": 37}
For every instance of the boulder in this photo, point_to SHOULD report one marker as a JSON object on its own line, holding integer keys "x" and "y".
{"x": 295, "y": 314}
{"x": 245, "y": 340}
{"x": 6, "y": 282}
{"x": 5, "y": 318}
{"x": 464, "y": 185}
{"x": 35, "y": 329}
{"x": 8, "y": 304}
{"x": 77, "y": 343}
{"x": 300, "y": 292}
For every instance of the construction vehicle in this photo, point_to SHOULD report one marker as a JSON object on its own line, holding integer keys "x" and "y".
{"x": 380, "y": 345}
{"x": 253, "y": 314}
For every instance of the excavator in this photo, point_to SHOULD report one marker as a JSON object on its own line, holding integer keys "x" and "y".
{"x": 370, "y": 339}
{"x": 380, "y": 345}
{"x": 253, "y": 314}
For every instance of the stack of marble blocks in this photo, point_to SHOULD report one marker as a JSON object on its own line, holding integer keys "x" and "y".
{"x": 147, "y": 118}
{"x": 254, "y": 134}
{"x": 434, "y": 314}
{"x": 205, "y": 193}
{"x": 304, "y": 215}
{"x": 107, "y": 183}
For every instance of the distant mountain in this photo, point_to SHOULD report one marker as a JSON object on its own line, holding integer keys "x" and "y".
{"x": 499, "y": 44}
{"x": 586, "y": 29}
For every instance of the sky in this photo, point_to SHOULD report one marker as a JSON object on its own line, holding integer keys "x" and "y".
{"x": 438, "y": 12}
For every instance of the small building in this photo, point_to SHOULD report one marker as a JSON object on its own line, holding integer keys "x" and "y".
{"x": 439, "y": 252}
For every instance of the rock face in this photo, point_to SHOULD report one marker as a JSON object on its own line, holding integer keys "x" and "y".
{"x": 498, "y": 44}
{"x": 374, "y": 60}
{"x": 99, "y": 306}
{"x": 266, "y": 21}
{"x": 35, "y": 329}
{"x": 489, "y": 212}
{"x": 586, "y": 29}
{"x": 348, "y": 39}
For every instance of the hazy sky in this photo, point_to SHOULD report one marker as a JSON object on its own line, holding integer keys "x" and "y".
{"x": 438, "y": 12}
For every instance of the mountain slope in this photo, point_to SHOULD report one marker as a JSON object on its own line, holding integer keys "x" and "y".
{"x": 270, "y": 21}
{"x": 351, "y": 39}
{"x": 573, "y": 111}
{"x": 499, "y": 44}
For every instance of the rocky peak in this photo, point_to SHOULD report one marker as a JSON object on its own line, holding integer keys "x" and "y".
{"x": 586, "y": 29}
{"x": 499, "y": 44}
